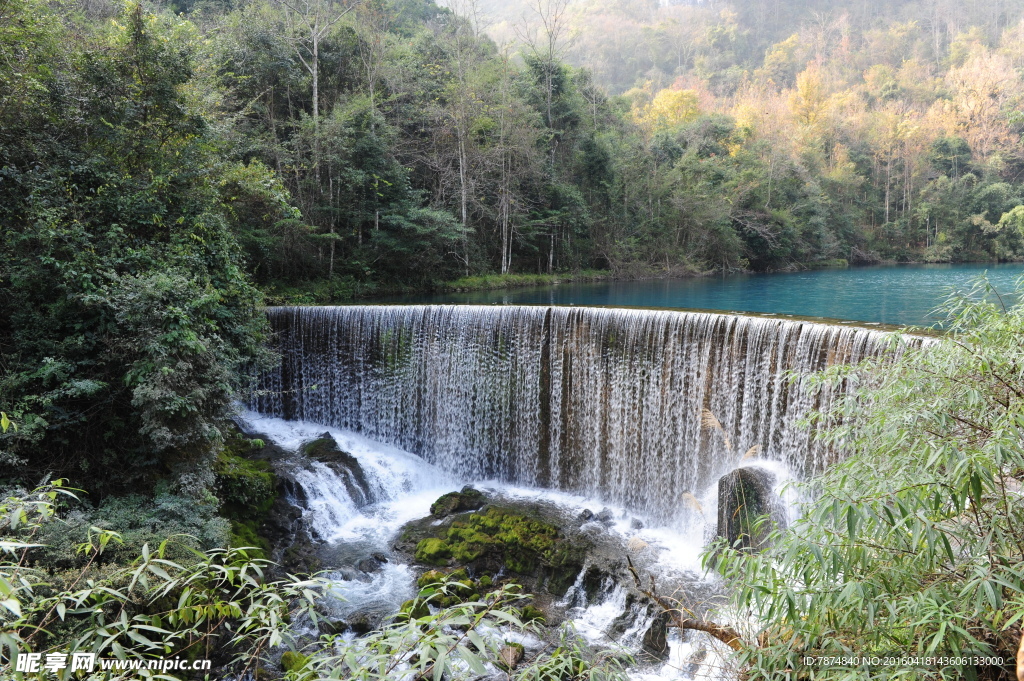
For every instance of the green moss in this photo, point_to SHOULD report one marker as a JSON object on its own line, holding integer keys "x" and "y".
{"x": 292, "y": 661}
{"x": 433, "y": 551}
{"x": 429, "y": 578}
{"x": 517, "y": 646}
{"x": 247, "y": 489}
{"x": 320, "y": 448}
{"x": 468, "y": 499}
{"x": 246, "y": 534}
{"x": 531, "y": 613}
{"x": 520, "y": 543}
{"x": 414, "y": 608}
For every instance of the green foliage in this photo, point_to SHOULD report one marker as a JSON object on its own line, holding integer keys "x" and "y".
{"x": 913, "y": 544}
{"x": 127, "y": 318}
{"x": 494, "y": 281}
{"x": 433, "y": 551}
{"x": 136, "y": 520}
{"x": 246, "y": 489}
{"x": 455, "y": 641}
{"x": 292, "y": 661}
{"x": 217, "y": 601}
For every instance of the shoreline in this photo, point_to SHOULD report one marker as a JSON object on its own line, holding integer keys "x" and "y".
{"x": 347, "y": 292}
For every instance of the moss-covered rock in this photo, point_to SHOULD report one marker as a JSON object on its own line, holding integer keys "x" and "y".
{"x": 414, "y": 608}
{"x": 292, "y": 661}
{"x": 247, "y": 489}
{"x": 510, "y": 655}
{"x": 429, "y": 578}
{"x": 504, "y": 539}
{"x": 532, "y": 614}
{"x": 500, "y": 538}
{"x": 745, "y": 496}
{"x": 433, "y": 551}
{"x": 468, "y": 499}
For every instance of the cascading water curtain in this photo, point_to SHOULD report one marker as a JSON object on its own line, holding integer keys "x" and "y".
{"x": 600, "y": 402}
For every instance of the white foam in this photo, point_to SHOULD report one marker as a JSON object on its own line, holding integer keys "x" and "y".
{"x": 404, "y": 486}
{"x": 388, "y": 588}
{"x": 685, "y": 661}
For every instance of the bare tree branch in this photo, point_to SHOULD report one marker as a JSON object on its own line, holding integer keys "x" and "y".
{"x": 725, "y": 634}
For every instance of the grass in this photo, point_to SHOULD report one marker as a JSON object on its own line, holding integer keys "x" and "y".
{"x": 494, "y": 281}
{"x": 346, "y": 289}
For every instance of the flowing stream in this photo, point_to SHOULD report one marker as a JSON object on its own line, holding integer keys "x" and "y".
{"x": 635, "y": 411}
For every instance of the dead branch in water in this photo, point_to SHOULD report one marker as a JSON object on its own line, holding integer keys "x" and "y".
{"x": 725, "y": 634}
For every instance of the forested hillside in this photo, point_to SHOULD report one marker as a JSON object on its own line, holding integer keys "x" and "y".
{"x": 375, "y": 144}
{"x": 169, "y": 169}
{"x": 161, "y": 164}
{"x": 887, "y": 129}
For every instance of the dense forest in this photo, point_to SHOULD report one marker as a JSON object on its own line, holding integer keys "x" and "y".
{"x": 394, "y": 144}
{"x": 167, "y": 169}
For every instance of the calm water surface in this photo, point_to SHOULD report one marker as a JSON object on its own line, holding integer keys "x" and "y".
{"x": 900, "y": 294}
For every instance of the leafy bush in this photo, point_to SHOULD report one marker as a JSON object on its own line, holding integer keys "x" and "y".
{"x": 137, "y": 521}
{"x": 218, "y": 603}
{"x": 459, "y": 642}
{"x": 127, "y": 322}
{"x": 914, "y": 545}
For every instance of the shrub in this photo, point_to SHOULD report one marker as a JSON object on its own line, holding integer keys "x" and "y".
{"x": 914, "y": 543}
{"x": 456, "y": 642}
{"x": 219, "y": 603}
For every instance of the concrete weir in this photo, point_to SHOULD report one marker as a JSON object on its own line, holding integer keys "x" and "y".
{"x": 609, "y": 403}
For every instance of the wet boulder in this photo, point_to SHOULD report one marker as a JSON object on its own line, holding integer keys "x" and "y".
{"x": 468, "y": 499}
{"x": 515, "y": 540}
{"x": 509, "y": 656}
{"x": 655, "y": 640}
{"x": 748, "y": 507}
{"x": 326, "y": 450}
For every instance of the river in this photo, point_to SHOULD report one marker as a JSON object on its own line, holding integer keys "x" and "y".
{"x": 902, "y": 295}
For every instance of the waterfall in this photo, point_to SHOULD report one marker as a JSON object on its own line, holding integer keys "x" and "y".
{"x": 605, "y": 403}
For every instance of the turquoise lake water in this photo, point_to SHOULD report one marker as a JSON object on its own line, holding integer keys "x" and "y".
{"x": 898, "y": 294}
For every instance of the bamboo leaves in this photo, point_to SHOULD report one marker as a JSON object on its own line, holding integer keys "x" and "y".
{"x": 914, "y": 542}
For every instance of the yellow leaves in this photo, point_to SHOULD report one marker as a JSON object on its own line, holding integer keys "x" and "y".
{"x": 781, "y": 61}
{"x": 841, "y": 168}
{"x": 982, "y": 88}
{"x": 636, "y": 545}
{"x": 670, "y": 108}
{"x": 808, "y": 100}
{"x": 691, "y": 502}
{"x": 880, "y": 81}
{"x": 710, "y": 422}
